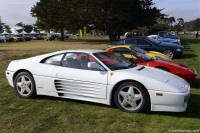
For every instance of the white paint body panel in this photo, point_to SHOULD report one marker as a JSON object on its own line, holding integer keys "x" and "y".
{"x": 97, "y": 86}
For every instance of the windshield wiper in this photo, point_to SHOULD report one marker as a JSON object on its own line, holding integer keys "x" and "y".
{"x": 122, "y": 67}
{"x": 125, "y": 67}
{"x": 131, "y": 65}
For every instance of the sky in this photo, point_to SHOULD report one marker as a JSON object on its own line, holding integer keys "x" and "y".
{"x": 15, "y": 11}
{"x": 186, "y": 9}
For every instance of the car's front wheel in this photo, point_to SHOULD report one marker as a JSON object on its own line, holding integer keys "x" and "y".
{"x": 24, "y": 85}
{"x": 169, "y": 53}
{"x": 131, "y": 97}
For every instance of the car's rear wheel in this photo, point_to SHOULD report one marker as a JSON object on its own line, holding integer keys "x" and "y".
{"x": 169, "y": 53}
{"x": 24, "y": 85}
{"x": 131, "y": 97}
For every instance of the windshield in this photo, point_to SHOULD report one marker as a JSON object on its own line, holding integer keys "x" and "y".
{"x": 144, "y": 57}
{"x": 113, "y": 62}
{"x": 153, "y": 40}
{"x": 138, "y": 50}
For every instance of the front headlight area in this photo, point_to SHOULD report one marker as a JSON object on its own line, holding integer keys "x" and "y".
{"x": 169, "y": 101}
{"x": 178, "y": 50}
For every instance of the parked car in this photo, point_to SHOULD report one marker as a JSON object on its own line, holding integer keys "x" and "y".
{"x": 98, "y": 76}
{"x": 149, "y": 44}
{"x": 169, "y": 40}
{"x": 180, "y": 70}
{"x": 26, "y": 38}
{"x": 152, "y": 54}
{"x": 2, "y": 39}
{"x": 38, "y": 37}
{"x": 9, "y": 39}
{"x": 166, "y": 34}
{"x": 18, "y": 38}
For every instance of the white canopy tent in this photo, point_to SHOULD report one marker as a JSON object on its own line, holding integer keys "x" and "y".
{"x": 33, "y": 32}
{"x": 42, "y": 32}
{"x": 23, "y": 33}
{"x": 5, "y": 32}
{"x": 14, "y": 31}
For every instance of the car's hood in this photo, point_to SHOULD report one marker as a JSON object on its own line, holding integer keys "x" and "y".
{"x": 158, "y": 54}
{"x": 165, "y": 80}
{"x": 174, "y": 64}
{"x": 171, "y": 63}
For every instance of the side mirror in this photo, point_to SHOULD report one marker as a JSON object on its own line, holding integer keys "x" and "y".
{"x": 94, "y": 65}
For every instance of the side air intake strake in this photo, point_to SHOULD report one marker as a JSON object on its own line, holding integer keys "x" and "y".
{"x": 67, "y": 88}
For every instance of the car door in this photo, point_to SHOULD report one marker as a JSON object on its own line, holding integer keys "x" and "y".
{"x": 73, "y": 80}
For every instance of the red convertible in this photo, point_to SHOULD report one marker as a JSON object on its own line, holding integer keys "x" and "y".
{"x": 180, "y": 70}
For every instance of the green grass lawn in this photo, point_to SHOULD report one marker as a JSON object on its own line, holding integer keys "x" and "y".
{"x": 52, "y": 115}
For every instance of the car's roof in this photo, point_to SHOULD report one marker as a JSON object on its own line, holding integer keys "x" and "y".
{"x": 41, "y": 57}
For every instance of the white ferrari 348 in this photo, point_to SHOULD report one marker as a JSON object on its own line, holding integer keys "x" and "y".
{"x": 98, "y": 76}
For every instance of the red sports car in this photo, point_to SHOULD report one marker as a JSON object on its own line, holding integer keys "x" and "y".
{"x": 141, "y": 59}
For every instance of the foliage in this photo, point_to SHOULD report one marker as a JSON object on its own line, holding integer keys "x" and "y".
{"x": 108, "y": 16}
{"x": 193, "y": 25}
{"x": 7, "y": 28}
{"x": 26, "y": 28}
{"x": 1, "y": 25}
{"x": 170, "y": 21}
{"x": 170, "y": 24}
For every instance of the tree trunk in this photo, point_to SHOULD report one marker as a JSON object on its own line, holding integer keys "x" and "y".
{"x": 62, "y": 34}
{"x": 113, "y": 37}
{"x": 118, "y": 37}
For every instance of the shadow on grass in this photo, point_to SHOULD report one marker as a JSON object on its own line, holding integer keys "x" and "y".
{"x": 195, "y": 84}
{"x": 190, "y": 41}
{"x": 75, "y": 101}
{"x": 186, "y": 56}
{"x": 193, "y": 110}
{"x": 96, "y": 41}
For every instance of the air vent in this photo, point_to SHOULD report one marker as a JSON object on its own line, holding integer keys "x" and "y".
{"x": 141, "y": 68}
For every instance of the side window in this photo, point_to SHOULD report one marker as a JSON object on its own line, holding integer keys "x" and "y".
{"x": 142, "y": 42}
{"x": 130, "y": 41}
{"x": 77, "y": 60}
{"x": 54, "y": 60}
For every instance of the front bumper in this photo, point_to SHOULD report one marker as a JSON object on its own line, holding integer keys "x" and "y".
{"x": 169, "y": 101}
{"x": 9, "y": 76}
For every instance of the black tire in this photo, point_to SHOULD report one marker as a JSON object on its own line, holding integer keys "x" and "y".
{"x": 169, "y": 53}
{"x": 130, "y": 102}
{"x": 25, "y": 85}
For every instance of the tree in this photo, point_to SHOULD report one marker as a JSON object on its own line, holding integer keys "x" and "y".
{"x": 170, "y": 21}
{"x": 179, "y": 25}
{"x": 193, "y": 25}
{"x": 196, "y": 25}
{"x": 28, "y": 28}
{"x": 51, "y": 14}
{"x": 180, "y": 21}
{"x": 106, "y": 15}
{"x": 1, "y": 25}
{"x": 7, "y": 28}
